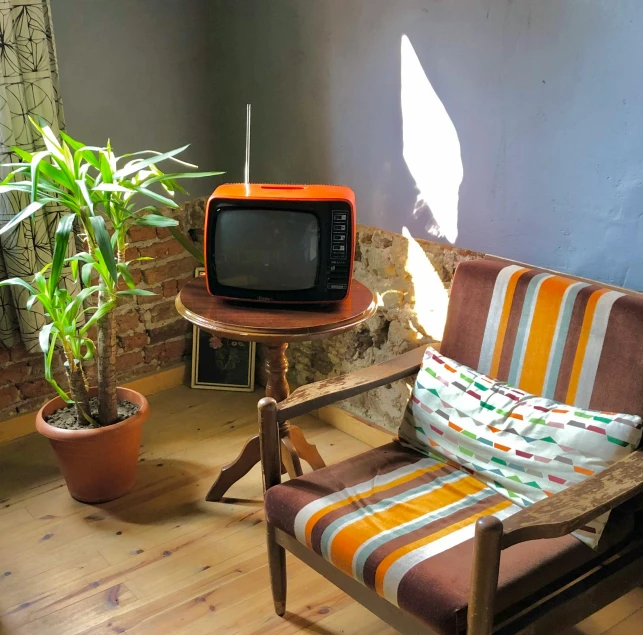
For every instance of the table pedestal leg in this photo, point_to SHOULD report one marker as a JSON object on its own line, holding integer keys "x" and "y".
{"x": 293, "y": 443}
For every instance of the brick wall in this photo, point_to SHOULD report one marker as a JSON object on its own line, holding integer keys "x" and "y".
{"x": 410, "y": 279}
{"x": 151, "y": 334}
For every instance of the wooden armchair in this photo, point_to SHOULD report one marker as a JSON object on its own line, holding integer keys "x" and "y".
{"x": 522, "y": 574}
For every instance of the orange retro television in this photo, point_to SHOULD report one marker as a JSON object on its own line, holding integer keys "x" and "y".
{"x": 280, "y": 243}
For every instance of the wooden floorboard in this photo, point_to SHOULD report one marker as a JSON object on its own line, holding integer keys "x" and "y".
{"x": 162, "y": 560}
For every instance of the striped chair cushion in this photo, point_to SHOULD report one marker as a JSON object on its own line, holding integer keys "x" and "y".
{"x": 572, "y": 341}
{"x": 522, "y": 446}
{"x": 403, "y": 524}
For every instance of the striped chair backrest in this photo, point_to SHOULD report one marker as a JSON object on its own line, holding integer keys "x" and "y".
{"x": 567, "y": 339}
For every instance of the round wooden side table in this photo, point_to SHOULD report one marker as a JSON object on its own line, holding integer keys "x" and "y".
{"x": 275, "y": 326}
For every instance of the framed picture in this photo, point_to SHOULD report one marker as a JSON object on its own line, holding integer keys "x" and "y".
{"x": 219, "y": 363}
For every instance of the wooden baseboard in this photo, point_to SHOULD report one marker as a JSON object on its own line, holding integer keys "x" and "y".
{"x": 24, "y": 424}
{"x": 361, "y": 429}
{"x": 156, "y": 382}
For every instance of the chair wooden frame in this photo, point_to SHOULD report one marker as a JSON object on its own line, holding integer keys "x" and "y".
{"x": 561, "y": 605}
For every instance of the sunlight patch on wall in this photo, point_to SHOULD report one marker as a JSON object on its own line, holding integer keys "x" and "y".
{"x": 431, "y": 147}
{"x": 431, "y": 298}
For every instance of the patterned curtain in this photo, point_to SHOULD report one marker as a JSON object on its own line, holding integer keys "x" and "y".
{"x": 28, "y": 87}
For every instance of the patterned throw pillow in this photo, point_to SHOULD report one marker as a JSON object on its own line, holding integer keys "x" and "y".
{"x": 523, "y": 446}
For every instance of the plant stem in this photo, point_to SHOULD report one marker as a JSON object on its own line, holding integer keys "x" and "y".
{"x": 107, "y": 401}
{"x": 77, "y": 388}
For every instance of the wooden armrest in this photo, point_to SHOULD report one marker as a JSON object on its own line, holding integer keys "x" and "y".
{"x": 328, "y": 391}
{"x": 570, "y": 509}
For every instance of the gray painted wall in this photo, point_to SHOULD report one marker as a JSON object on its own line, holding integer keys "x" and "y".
{"x": 546, "y": 97}
{"x": 140, "y": 72}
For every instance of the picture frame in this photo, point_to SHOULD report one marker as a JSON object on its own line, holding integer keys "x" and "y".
{"x": 219, "y": 363}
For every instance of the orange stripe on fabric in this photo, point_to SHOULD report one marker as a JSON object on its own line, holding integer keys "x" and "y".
{"x": 351, "y": 538}
{"x": 387, "y": 562}
{"x": 541, "y": 333}
{"x": 581, "y": 348}
{"x": 504, "y": 320}
{"x": 312, "y": 521}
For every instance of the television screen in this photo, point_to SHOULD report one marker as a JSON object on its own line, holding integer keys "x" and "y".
{"x": 246, "y": 256}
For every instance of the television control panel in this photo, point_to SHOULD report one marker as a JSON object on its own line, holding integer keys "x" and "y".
{"x": 339, "y": 269}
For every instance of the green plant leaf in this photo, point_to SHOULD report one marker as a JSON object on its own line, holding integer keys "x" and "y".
{"x": 127, "y": 276}
{"x": 73, "y": 308}
{"x": 28, "y": 211}
{"x": 60, "y": 250}
{"x": 136, "y": 166}
{"x": 49, "y": 138}
{"x": 135, "y": 292}
{"x": 156, "y": 153}
{"x": 148, "y": 208}
{"x": 81, "y": 255}
{"x": 23, "y": 154}
{"x": 86, "y": 273}
{"x": 85, "y": 192}
{"x": 18, "y": 282}
{"x": 30, "y": 302}
{"x": 157, "y": 197}
{"x": 105, "y": 168}
{"x": 91, "y": 349}
{"x": 43, "y": 337}
{"x": 112, "y": 187}
{"x": 178, "y": 175}
{"x": 58, "y": 175}
{"x": 75, "y": 145}
{"x": 156, "y": 220}
{"x": 50, "y": 346}
{"x": 104, "y": 245}
{"x": 49, "y": 374}
{"x": 102, "y": 311}
{"x": 35, "y": 172}
{"x": 17, "y": 186}
{"x": 40, "y": 281}
{"x": 90, "y": 157}
{"x": 187, "y": 244}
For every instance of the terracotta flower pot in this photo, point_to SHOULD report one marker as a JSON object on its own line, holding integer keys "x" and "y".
{"x": 99, "y": 465}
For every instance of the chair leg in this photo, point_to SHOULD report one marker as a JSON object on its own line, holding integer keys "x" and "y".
{"x": 277, "y": 566}
{"x": 271, "y": 464}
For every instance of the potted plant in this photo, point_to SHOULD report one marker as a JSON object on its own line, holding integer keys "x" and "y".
{"x": 95, "y": 431}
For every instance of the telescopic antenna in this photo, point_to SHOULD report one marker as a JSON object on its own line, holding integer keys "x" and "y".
{"x": 247, "y": 167}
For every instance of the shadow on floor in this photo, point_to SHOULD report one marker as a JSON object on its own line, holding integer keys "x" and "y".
{"x": 308, "y": 626}
{"x": 165, "y": 490}
{"x": 31, "y": 463}
{"x": 248, "y": 502}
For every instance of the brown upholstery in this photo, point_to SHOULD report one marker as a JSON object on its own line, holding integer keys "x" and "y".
{"x": 436, "y": 589}
{"x": 618, "y": 384}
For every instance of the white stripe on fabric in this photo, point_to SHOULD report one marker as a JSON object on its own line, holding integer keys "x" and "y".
{"x": 368, "y": 547}
{"x": 403, "y": 565}
{"x": 308, "y": 511}
{"x": 560, "y": 337}
{"x": 330, "y": 533}
{"x": 595, "y": 348}
{"x": 493, "y": 318}
{"x": 524, "y": 326}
